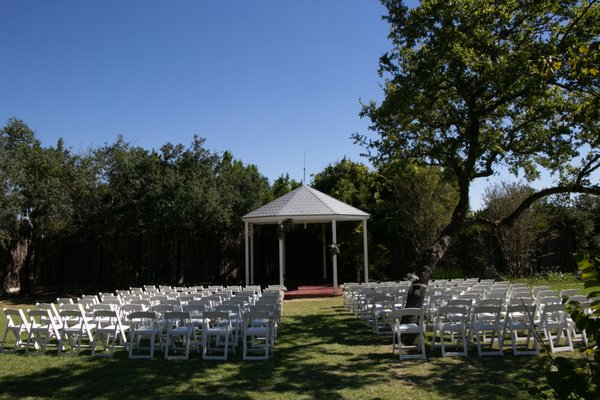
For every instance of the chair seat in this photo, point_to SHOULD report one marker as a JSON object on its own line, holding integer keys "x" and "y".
{"x": 407, "y": 328}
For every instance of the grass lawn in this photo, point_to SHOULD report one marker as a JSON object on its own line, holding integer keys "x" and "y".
{"x": 323, "y": 351}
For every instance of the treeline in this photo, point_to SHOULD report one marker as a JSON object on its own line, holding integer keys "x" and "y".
{"x": 410, "y": 205}
{"x": 121, "y": 215}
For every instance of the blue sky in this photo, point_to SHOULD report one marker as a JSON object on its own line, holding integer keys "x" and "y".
{"x": 268, "y": 80}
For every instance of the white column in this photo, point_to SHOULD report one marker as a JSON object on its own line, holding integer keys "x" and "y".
{"x": 334, "y": 240}
{"x": 324, "y": 253}
{"x": 247, "y": 253}
{"x": 252, "y": 254}
{"x": 281, "y": 257}
{"x": 366, "y": 250}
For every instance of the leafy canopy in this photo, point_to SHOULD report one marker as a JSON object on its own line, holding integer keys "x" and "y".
{"x": 465, "y": 88}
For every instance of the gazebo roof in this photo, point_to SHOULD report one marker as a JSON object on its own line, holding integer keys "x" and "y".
{"x": 304, "y": 205}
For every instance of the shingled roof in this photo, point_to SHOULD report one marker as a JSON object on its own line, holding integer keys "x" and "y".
{"x": 304, "y": 204}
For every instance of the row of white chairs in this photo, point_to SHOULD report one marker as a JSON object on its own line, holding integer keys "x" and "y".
{"x": 467, "y": 310}
{"x": 105, "y": 322}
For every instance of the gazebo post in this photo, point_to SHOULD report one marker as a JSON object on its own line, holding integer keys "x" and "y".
{"x": 334, "y": 239}
{"x": 324, "y": 253}
{"x": 247, "y": 253}
{"x": 281, "y": 256}
{"x": 252, "y": 254}
{"x": 366, "y": 250}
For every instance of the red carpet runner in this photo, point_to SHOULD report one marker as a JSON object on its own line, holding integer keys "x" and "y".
{"x": 305, "y": 292}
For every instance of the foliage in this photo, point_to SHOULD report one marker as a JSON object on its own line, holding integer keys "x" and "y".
{"x": 139, "y": 213}
{"x": 283, "y": 185}
{"x": 464, "y": 92}
{"x": 568, "y": 379}
{"x": 578, "y": 217}
{"x": 519, "y": 241}
{"x": 413, "y": 205}
{"x": 353, "y": 184}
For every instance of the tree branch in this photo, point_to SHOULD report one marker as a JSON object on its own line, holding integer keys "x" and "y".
{"x": 528, "y": 202}
{"x": 574, "y": 23}
{"x": 588, "y": 169}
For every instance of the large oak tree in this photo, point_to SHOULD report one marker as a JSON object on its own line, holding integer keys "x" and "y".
{"x": 475, "y": 85}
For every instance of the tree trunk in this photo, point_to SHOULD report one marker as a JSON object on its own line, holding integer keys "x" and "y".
{"x": 17, "y": 254}
{"x": 434, "y": 254}
{"x": 429, "y": 261}
{"x": 180, "y": 276}
{"x": 28, "y": 270}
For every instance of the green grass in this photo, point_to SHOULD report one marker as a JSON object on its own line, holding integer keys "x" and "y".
{"x": 323, "y": 352}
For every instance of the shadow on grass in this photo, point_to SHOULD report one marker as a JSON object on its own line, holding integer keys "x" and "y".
{"x": 322, "y": 352}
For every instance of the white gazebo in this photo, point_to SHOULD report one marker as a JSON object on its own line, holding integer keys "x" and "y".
{"x": 303, "y": 205}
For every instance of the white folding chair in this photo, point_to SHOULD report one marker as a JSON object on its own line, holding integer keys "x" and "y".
{"x": 217, "y": 326}
{"x": 72, "y": 331}
{"x": 107, "y": 329}
{"x": 17, "y": 325}
{"x": 554, "y": 326}
{"x": 256, "y": 335}
{"x": 409, "y": 328}
{"x": 179, "y": 331}
{"x": 41, "y": 330}
{"x": 486, "y": 319}
{"x": 519, "y": 322}
{"x": 143, "y": 325}
{"x": 452, "y": 320}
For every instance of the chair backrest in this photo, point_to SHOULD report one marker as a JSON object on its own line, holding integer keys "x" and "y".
{"x": 143, "y": 319}
{"x": 255, "y": 318}
{"x": 400, "y": 313}
{"x": 544, "y": 300}
{"x": 174, "y": 304}
{"x": 521, "y": 312}
{"x": 162, "y": 309}
{"x": 536, "y": 289}
{"x": 70, "y": 307}
{"x": 554, "y": 313}
{"x": 491, "y": 302}
{"x": 103, "y": 307}
{"x": 105, "y": 318}
{"x": 206, "y": 303}
{"x": 64, "y": 300}
{"x": 453, "y": 314}
{"x": 230, "y": 308}
{"x": 194, "y": 310}
{"x": 89, "y": 297}
{"x": 568, "y": 292}
{"x": 460, "y": 302}
{"x": 72, "y": 318}
{"x": 111, "y": 301}
{"x": 177, "y": 318}
{"x": 522, "y": 300}
{"x": 489, "y": 314}
{"x": 217, "y": 315}
{"x": 15, "y": 318}
{"x": 579, "y": 298}
{"x": 520, "y": 292}
{"x": 41, "y": 318}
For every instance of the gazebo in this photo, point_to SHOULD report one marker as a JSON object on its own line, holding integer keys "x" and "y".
{"x": 304, "y": 205}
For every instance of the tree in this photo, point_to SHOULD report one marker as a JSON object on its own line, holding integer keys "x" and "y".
{"x": 414, "y": 204}
{"x": 283, "y": 185}
{"x": 464, "y": 91}
{"x": 519, "y": 241}
{"x": 37, "y": 190}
